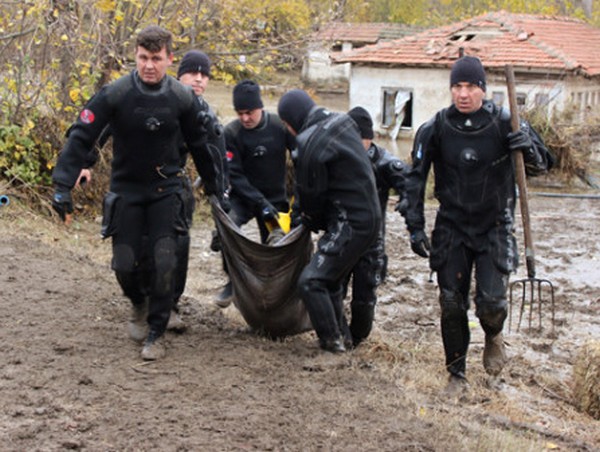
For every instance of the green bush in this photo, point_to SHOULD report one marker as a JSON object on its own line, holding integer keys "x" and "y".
{"x": 28, "y": 150}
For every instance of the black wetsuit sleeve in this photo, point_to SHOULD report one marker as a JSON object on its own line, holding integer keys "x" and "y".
{"x": 82, "y": 137}
{"x": 416, "y": 181}
{"x": 392, "y": 171}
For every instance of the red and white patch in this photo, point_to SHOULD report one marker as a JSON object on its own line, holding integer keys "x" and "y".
{"x": 87, "y": 116}
{"x": 229, "y": 155}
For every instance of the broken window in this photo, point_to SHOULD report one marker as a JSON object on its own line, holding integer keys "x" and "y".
{"x": 396, "y": 109}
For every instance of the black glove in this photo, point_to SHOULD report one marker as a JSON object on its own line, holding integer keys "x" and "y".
{"x": 519, "y": 141}
{"x": 268, "y": 212}
{"x": 215, "y": 243}
{"x": 62, "y": 202}
{"x": 419, "y": 243}
{"x": 208, "y": 124}
{"x": 295, "y": 219}
{"x": 225, "y": 203}
{"x": 402, "y": 206}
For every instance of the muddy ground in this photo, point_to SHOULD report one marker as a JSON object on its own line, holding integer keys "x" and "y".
{"x": 71, "y": 379}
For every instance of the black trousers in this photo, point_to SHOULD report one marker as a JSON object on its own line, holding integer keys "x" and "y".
{"x": 321, "y": 283}
{"x": 365, "y": 276}
{"x": 454, "y": 280}
{"x": 145, "y": 253}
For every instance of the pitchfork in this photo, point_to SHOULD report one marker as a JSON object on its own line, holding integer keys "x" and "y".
{"x": 532, "y": 288}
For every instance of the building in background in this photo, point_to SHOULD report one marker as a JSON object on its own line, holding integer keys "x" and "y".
{"x": 339, "y": 37}
{"x": 403, "y": 82}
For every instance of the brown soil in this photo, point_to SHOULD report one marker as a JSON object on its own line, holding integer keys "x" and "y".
{"x": 71, "y": 379}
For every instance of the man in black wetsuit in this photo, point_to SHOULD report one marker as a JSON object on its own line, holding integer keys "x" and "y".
{"x": 336, "y": 188}
{"x": 148, "y": 113}
{"x": 257, "y": 145}
{"x": 470, "y": 146}
{"x": 193, "y": 71}
{"x": 371, "y": 269}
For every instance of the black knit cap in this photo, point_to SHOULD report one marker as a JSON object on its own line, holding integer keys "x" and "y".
{"x": 363, "y": 120}
{"x": 468, "y": 69}
{"x": 294, "y": 107}
{"x": 194, "y": 61}
{"x": 246, "y": 96}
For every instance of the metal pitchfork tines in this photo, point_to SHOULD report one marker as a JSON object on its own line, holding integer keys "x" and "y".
{"x": 533, "y": 296}
{"x": 535, "y": 292}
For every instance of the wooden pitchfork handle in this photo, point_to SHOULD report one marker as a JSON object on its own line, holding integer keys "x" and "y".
{"x": 520, "y": 174}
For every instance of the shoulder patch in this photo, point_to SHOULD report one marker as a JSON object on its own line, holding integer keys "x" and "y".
{"x": 87, "y": 116}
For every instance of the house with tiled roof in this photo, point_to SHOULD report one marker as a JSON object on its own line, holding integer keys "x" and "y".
{"x": 402, "y": 83}
{"x": 336, "y": 37}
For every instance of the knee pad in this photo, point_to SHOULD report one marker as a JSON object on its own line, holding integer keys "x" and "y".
{"x": 165, "y": 263}
{"x": 308, "y": 285}
{"x": 492, "y": 316}
{"x": 123, "y": 259}
{"x": 368, "y": 272}
{"x": 452, "y": 304}
{"x": 165, "y": 254}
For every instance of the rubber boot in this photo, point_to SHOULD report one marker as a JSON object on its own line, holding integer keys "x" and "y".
{"x": 362, "y": 321}
{"x": 333, "y": 345}
{"x": 494, "y": 354}
{"x": 337, "y": 299}
{"x": 138, "y": 322}
{"x": 225, "y": 297}
{"x": 154, "y": 347}
{"x": 457, "y": 386}
{"x": 176, "y": 323}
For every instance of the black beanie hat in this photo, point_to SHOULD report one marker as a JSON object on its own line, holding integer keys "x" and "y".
{"x": 363, "y": 120}
{"x": 468, "y": 69}
{"x": 246, "y": 96}
{"x": 194, "y": 61}
{"x": 294, "y": 107}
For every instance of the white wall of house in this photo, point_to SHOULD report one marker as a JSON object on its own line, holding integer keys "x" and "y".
{"x": 429, "y": 88}
{"x": 317, "y": 68}
{"x": 571, "y": 92}
{"x": 583, "y": 95}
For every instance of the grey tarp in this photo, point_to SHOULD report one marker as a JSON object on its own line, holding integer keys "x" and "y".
{"x": 264, "y": 277}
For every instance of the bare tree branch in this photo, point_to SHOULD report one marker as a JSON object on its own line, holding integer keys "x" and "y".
{"x": 18, "y": 34}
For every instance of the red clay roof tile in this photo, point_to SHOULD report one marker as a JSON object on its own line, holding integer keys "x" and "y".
{"x": 549, "y": 43}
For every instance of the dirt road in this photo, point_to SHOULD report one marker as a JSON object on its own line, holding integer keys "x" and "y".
{"x": 71, "y": 379}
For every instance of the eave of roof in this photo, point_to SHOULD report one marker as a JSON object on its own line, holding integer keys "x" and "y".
{"x": 366, "y": 32}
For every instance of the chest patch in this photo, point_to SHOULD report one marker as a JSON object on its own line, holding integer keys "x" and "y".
{"x": 469, "y": 157}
